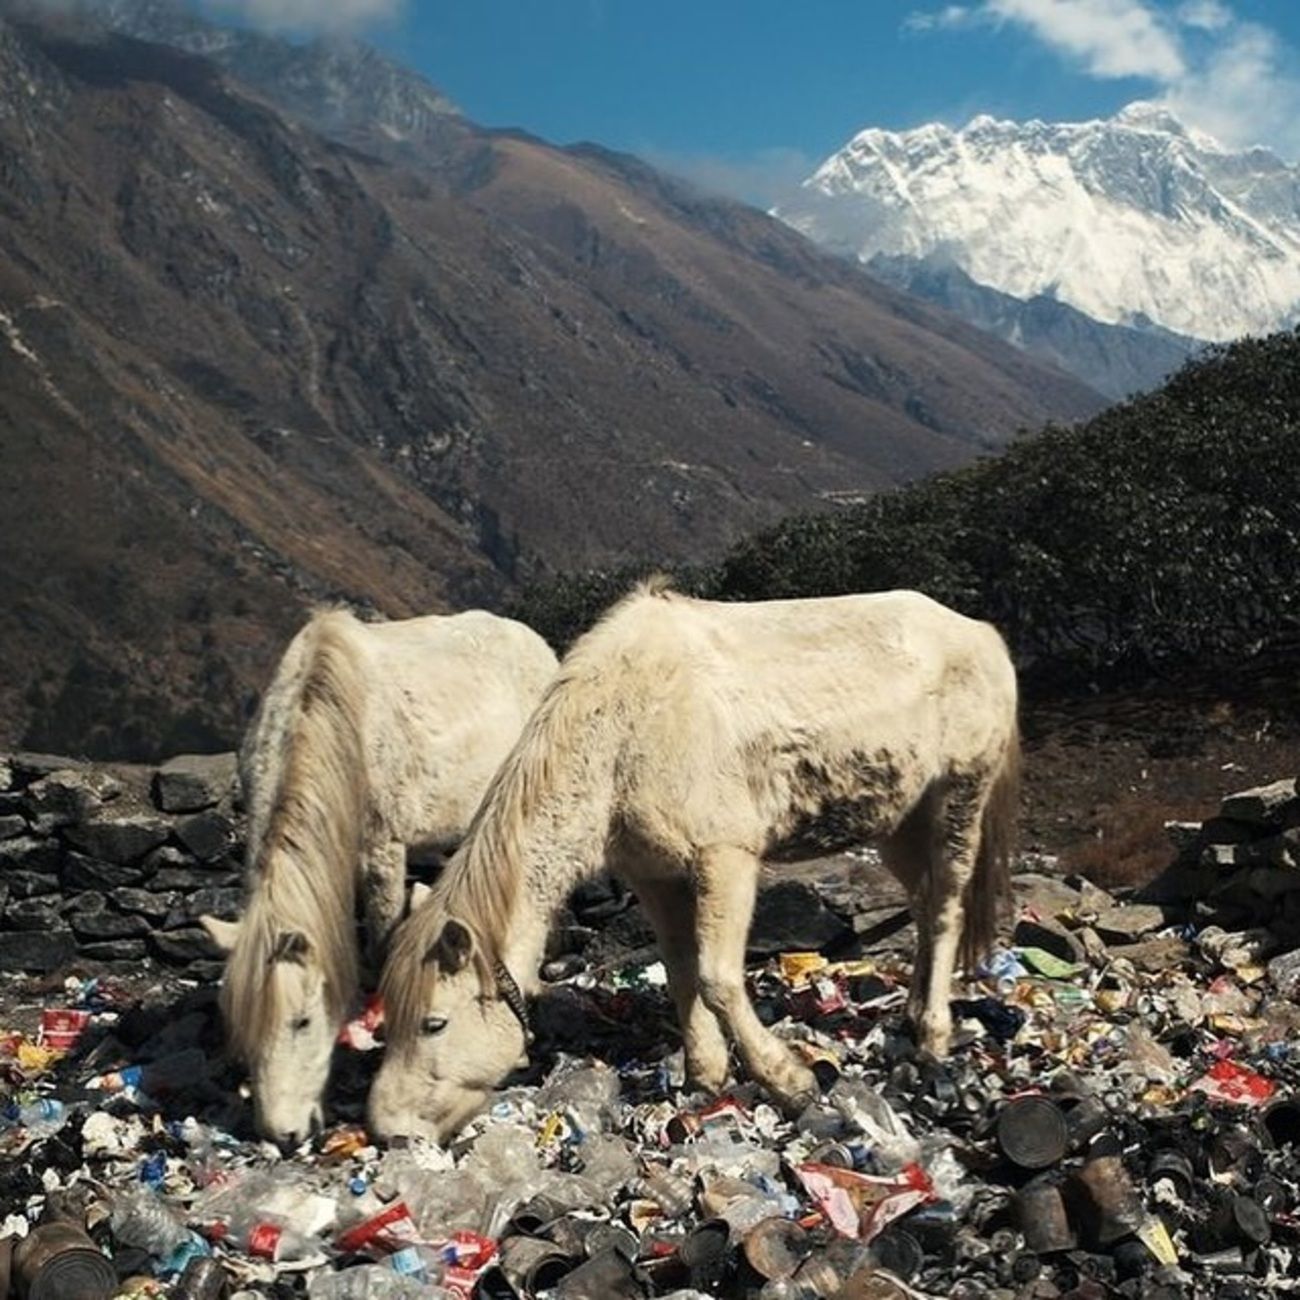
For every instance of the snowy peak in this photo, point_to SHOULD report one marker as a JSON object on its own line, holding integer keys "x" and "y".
{"x": 1136, "y": 217}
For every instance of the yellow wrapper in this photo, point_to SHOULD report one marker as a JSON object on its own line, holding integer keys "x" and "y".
{"x": 1155, "y": 1237}
{"x": 796, "y": 967}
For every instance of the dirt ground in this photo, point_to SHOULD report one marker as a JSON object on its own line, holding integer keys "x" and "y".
{"x": 1104, "y": 772}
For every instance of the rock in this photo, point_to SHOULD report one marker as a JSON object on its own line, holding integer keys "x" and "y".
{"x": 224, "y": 903}
{"x": 133, "y": 950}
{"x": 1129, "y": 923}
{"x": 790, "y": 914}
{"x": 1094, "y": 947}
{"x": 120, "y": 839}
{"x": 29, "y": 853}
{"x": 68, "y": 796}
{"x": 28, "y": 767}
{"x": 1156, "y": 955}
{"x": 31, "y": 884}
{"x": 191, "y": 782}
{"x": 182, "y": 945}
{"x": 1220, "y": 830}
{"x": 208, "y": 835}
{"x": 6, "y": 774}
{"x": 1265, "y": 805}
{"x": 145, "y": 902}
{"x": 1044, "y": 896}
{"x": 12, "y": 825}
{"x": 1093, "y": 900}
{"x": 37, "y": 951}
{"x": 1050, "y": 937}
{"x": 82, "y": 872}
{"x": 33, "y": 914}
{"x": 105, "y": 924}
{"x": 1184, "y": 836}
{"x": 170, "y": 879}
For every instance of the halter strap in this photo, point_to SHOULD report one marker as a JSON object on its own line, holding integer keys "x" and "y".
{"x": 513, "y": 997}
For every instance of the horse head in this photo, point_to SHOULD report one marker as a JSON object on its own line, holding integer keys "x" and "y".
{"x": 455, "y": 1026}
{"x": 281, "y": 1020}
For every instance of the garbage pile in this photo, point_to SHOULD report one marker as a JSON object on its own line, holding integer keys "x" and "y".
{"x": 1119, "y": 1117}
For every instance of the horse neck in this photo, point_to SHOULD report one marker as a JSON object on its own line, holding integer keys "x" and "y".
{"x": 560, "y": 842}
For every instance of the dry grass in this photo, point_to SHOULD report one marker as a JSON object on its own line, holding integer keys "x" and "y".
{"x": 1129, "y": 846}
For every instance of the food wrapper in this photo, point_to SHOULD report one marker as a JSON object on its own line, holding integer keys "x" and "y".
{"x": 361, "y": 1033}
{"x": 863, "y": 1205}
{"x": 383, "y": 1233}
{"x": 1227, "y": 1081}
{"x": 468, "y": 1256}
{"x": 798, "y": 967}
{"x": 62, "y": 1027}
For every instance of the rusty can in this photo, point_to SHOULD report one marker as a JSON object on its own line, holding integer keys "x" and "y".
{"x": 1031, "y": 1132}
{"x": 607, "y": 1276}
{"x": 1107, "y": 1198}
{"x": 1174, "y": 1168}
{"x": 1240, "y": 1220}
{"x": 704, "y": 1252}
{"x": 532, "y": 1216}
{"x": 898, "y": 1252}
{"x": 1281, "y": 1121}
{"x": 831, "y": 1153}
{"x": 1040, "y": 1209}
{"x": 775, "y": 1247}
{"x": 203, "y": 1279}
{"x": 57, "y": 1260}
{"x": 1085, "y": 1117}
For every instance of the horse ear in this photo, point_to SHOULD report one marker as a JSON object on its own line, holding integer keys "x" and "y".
{"x": 222, "y": 933}
{"x": 292, "y": 945}
{"x": 452, "y": 949}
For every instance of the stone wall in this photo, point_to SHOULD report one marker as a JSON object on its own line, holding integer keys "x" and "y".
{"x": 116, "y": 863}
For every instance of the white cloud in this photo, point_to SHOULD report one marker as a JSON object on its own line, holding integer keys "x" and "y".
{"x": 922, "y": 20}
{"x": 1209, "y": 15}
{"x": 1234, "y": 79}
{"x": 766, "y": 178}
{"x": 311, "y": 15}
{"x": 1110, "y": 38}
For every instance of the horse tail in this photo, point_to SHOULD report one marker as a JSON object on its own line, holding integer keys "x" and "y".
{"x": 990, "y": 883}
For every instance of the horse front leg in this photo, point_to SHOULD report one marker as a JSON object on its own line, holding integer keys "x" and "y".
{"x": 383, "y": 883}
{"x": 669, "y": 905}
{"x": 911, "y": 854}
{"x": 726, "y": 885}
{"x": 955, "y": 864}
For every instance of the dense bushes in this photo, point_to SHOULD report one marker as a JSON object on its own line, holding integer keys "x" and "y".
{"x": 1166, "y": 530}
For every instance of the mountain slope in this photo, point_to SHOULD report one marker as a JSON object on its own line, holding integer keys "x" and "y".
{"x": 1114, "y": 359}
{"x": 243, "y": 366}
{"x": 1130, "y": 220}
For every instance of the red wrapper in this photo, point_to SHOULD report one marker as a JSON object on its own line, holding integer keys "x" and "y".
{"x": 473, "y": 1255}
{"x": 383, "y": 1233}
{"x": 1230, "y": 1082}
{"x": 61, "y": 1028}
{"x": 360, "y": 1034}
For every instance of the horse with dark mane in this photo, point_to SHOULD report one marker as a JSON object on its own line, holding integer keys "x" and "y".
{"x": 371, "y": 738}
{"x": 682, "y": 742}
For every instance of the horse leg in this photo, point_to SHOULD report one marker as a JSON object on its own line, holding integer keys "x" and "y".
{"x": 383, "y": 882}
{"x": 670, "y": 907}
{"x": 726, "y": 885}
{"x": 909, "y": 854}
{"x": 954, "y": 864}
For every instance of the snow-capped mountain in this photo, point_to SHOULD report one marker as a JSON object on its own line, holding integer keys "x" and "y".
{"x": 1133, "y": 220}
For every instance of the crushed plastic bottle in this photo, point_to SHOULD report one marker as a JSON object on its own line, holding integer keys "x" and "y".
{"x": 892, "y": 1145}
{"x": 38, "y": 1119}
{"x": 265, "y": 1237}
{"x": 372, "y": 1282}
{"x": 157, "y": 1078}
{"x": 141, "y": 1218}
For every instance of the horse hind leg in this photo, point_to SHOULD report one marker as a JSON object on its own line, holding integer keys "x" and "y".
{"x": 670, "y": 907}
{"x": 951, "y": 871}
{"x": 726, "y": 886}
{"x": 910, "y": 854}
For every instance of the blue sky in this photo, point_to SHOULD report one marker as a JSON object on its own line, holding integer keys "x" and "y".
{"x": 748, "y": 95}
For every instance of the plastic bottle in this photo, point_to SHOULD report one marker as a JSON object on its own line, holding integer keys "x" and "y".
{"x": 372, "y": 1282}
{"x": 157, "y": 1078}
{"x": 39, "y": 1118}
{"x": 265, "y": 1237}
{"x": 143, "y": 1219}
{"x": 673, "y": 1194}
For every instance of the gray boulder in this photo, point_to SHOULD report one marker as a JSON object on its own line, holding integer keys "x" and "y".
{"x": 192, "y": 782}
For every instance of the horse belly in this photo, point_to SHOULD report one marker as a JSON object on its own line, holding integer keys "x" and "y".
{"x": 833, "y": 806}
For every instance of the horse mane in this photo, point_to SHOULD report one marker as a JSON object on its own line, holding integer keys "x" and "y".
{"x": 306, "y": 863}
{"x": 480, "y": 885}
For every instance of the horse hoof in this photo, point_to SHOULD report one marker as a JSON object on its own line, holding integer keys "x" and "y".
{"x": 795, "y": 1103}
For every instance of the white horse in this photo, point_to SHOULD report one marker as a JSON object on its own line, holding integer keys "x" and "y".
{"x": 370, "y": 738}
{"x": 683, "y": 741}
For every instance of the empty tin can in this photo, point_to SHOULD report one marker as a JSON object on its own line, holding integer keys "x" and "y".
{"x": 1032, "y": 1133}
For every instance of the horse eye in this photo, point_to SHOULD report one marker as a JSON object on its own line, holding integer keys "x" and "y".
{"x": 433, "y": 1025}
{"x": 300, "y": 1024}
